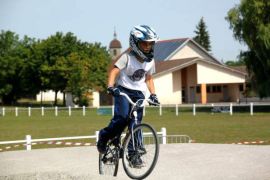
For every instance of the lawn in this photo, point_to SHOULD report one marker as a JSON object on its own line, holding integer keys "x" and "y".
{"x": 203, "y": 128}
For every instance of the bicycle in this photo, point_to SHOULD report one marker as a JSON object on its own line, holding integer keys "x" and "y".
{"x": 139, "y": 144}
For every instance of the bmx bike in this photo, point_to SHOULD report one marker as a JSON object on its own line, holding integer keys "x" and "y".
{"x": 140, "y": 144}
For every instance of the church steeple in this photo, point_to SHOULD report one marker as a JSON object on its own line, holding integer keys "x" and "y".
{"x": 115, "y": 46}
{"x": 114, "y": 34}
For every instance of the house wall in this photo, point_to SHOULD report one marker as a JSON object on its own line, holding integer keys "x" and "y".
{"x": 188, "y": 51}
{"x": 191, "y": 79}
{"x": 96, "y": 102}
{"x": 48, "y": 96}
{"x": 215, "y": 97}
{"x": 168, "y": 88}
{"x": 177, "y": 86}
{"x": 210, "y": 74}
{"x": 234, "y": 92}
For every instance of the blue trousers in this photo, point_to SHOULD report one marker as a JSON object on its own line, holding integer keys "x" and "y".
{"x": 121, "y": 118}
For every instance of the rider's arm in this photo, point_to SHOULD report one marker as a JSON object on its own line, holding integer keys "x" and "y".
{"x": 150, "y": 84}
{"x": 120, "y": 64}
{"x": 112, "y": 76}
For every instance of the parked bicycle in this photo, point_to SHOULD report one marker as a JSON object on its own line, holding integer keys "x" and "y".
{"x": 138, "y": 149}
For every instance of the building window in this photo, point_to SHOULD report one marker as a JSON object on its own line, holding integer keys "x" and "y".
{"x": 114, "y": 52}
{"x": 198, "y": 89}
{"x": 219, "y": 89}
{"x": 216, "y": 89}
{"x": 208, "y": 89}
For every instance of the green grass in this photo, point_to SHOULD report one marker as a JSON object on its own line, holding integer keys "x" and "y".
{"x": 13, "y": 128}
{"x": 220, "y": 128}
{"x": 203, "y": 128}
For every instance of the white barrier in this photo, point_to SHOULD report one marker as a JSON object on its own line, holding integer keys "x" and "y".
{"x": 28, "y": 139}
{"x": 83, "y": 110}
{"x": 176, "y": 109}
{"x": 218, "y": 107}
{"x": 194, "y": 109}
{"x": 42, "y": 111}
{"x": 251, "y": 109}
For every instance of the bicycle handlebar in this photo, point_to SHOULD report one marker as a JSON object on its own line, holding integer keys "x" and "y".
{"x": 134, "y": 104}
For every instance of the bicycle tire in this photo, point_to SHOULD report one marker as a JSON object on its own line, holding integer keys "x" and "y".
{"x": 109, "y": 162}
{"x": 149, "y": 158}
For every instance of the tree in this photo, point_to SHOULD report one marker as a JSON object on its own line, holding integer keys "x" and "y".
{"x": 250, "y": 22}
{"x": 60, "y": 63}
{"x": 17, "y": 67}
{"x": 239, "y": 62}
{"x": 72, "y": 65}
{"x": 54, "y": 69}
{"x": 202, "y": 35}
{"x": 88, "y": 70}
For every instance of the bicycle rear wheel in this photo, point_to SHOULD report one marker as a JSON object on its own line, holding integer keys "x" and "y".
{"x": 140, "y": 152}
{"x": 108, "y": 162}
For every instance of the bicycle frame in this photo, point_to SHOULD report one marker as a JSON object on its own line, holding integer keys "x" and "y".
{"x": 135, "y": 105}
{"x": 132, "y": 147}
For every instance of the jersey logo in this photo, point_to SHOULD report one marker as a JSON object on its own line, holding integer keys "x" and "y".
{"x": 137, "y": 75}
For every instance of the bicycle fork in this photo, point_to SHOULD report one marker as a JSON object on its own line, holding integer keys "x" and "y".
{"x": 140, "y": 135}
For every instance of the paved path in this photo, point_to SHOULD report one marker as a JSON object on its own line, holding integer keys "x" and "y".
{"x": 176, "y": 161}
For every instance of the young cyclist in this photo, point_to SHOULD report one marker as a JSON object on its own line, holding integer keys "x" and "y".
{"x": 131, "y": 74}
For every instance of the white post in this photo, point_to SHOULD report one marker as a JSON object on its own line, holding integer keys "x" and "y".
{"x": 42, "y": 111}
{"x": 144, "y": 111}
{"x": 83, "y": 110}
{"x": 28, "y": 142}
{"x": 231, "y": 109}
{"x": 160, "y": 110}
{"x": 112, "y": 110}
{"x": 16, "y": 111}
{"x": 251, "y": 109}
{"x": 212, "y": 108}
{"x": 3, "y": 110}
{"x": 56, "y": 111}
{"x": 164, "y": 135}
{"x": 97, "y": 135}
{"x": 176, "y": 109}
{"x": 194, "y": 109}
{"x": 29, "y": 111}
{"x": 69, "y": 110}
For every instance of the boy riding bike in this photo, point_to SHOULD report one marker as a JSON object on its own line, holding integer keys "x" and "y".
{"x": 132, "y": 74}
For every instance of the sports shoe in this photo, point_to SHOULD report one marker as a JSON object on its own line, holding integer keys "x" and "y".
{"x": 101, "y": 146}
{"x": 135, "y": 161}
{"x": 141, "y": 150}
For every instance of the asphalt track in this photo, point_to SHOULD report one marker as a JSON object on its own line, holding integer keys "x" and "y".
{"x": 176, "y": 161}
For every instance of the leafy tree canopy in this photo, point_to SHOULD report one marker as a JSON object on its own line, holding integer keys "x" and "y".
{"x": 60, "y": 63}
{"x": 250, "y": 22}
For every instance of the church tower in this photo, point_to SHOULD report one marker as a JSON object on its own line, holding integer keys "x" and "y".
{"x": 115, "y": 46}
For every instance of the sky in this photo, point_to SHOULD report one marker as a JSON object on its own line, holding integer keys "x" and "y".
{"x": 95, "y": 20}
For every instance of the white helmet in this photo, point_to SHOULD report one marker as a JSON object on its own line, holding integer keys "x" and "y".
{"x": 142, "y": 33}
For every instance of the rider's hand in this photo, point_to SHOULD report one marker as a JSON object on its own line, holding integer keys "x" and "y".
{"x": 113, "y": 91}
{"x": 154, "y": 99}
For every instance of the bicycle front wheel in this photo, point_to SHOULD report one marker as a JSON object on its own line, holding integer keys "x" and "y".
{"x": 140, "y": 151}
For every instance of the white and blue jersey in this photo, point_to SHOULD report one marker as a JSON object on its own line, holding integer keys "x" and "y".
{"x": 133, "y": 72}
